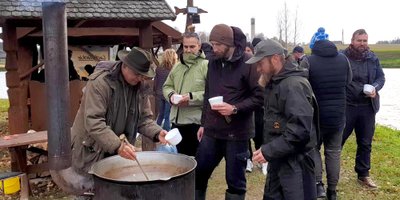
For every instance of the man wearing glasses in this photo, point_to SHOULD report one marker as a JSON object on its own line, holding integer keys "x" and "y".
{"x": 113, "y": 104}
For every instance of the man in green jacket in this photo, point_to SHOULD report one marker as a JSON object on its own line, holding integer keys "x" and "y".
{"x": 113, "y": 103}
{"x": 184, "y": 88}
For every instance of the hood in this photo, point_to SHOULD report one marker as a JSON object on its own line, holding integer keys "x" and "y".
{"x": 290, "y": 69}
{"x": 324, "y": 48}
{"x": 201, "y": 55}
{"x": 239, "y": 40}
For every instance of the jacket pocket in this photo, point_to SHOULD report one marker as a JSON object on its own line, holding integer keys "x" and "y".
{"x": 86, "y": 152}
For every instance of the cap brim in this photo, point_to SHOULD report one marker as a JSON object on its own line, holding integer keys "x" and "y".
{"x": 254, "y": 59}
{"x": 150, "y": 74}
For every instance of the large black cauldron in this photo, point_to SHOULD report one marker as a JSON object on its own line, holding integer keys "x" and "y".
{"x": 171, "y": 177}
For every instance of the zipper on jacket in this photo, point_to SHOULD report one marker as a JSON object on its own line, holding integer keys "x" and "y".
{"x": 180, "y": 90}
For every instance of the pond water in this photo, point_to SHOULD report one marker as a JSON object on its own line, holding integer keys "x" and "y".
{"x": 388, "y": 115}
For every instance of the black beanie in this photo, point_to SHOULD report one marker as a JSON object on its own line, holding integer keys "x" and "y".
{"x": 223, "y": 34}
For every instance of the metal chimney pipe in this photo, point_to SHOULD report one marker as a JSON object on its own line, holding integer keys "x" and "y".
{"x": 57, "y": 84}
{"x": 253, "y": 28}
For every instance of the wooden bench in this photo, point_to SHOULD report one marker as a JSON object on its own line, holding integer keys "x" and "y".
{"x": 23, "y": 140}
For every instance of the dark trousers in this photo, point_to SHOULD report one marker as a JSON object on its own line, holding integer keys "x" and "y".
{"x": 362, "y": 120}
{"x": 292, "y": 178}
{"x": 189, "y": 143}
{"x": 258, "y": 127}
{"x": 209, "y": 155}
{"x": 331, "y": 138}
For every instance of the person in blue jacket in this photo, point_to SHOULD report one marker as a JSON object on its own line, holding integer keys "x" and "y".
{"x": 362, "y": 106}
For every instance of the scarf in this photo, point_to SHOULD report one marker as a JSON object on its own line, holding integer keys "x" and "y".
{"x": 352, "y": 53}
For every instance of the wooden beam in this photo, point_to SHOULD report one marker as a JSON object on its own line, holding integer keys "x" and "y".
{"x": 167, "y": 30}
{"x": 80, "y": 32}
{"x": 146, "y": 36}
{"x": 24, "y": 31}
{"x": 79, "y": 23}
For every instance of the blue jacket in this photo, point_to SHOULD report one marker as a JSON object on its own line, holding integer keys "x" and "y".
{"x": 329, "y": 74}
{"x": 374, "y": 76}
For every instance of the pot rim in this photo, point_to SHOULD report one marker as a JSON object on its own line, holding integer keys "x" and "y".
{"x": 141, "y": 154}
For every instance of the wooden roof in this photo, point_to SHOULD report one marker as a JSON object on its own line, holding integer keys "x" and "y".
{"x": 152, "y": 10}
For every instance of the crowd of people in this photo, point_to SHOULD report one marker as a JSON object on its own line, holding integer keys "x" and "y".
{"x": 288, "y": 104}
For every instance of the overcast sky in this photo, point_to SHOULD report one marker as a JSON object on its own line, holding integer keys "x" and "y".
{"x": 378, "y": 18}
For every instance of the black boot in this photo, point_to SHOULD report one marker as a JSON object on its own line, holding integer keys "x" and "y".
{"x": 229, "y": 196}
{"x": 320, "y": 190}
{"x": 331, "y": 194}
{"x": 200, "y": 195}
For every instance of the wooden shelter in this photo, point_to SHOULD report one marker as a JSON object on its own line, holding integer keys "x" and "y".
{"x": 89, "y": 22}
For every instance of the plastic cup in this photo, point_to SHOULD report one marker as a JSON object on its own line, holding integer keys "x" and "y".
{"x": 216, "y": 100}
{"x": 368, "y": 89}
{"x": 177, "y": 98}
{"x": 173, "y": 137}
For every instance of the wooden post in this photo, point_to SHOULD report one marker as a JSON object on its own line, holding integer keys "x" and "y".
{"x": 189, "y": 20}
{"x": 146, "y": 36}
{"x": 166, "y": 42}
{"x": 17, "y": 113}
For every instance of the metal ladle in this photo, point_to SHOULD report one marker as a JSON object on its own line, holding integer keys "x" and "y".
{"x": 123, "y": 139}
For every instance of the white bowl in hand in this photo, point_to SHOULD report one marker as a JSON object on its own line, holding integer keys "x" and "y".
{"x": 176, "y": 98}
{"x": 216, "y": 100}
{"x": 368, "y": 89}
{"x": 173, "y": 136}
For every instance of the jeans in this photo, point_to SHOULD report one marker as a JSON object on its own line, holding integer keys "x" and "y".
{"x": 210, "y": 153}
{"x": 331, "y": 138}
{"x": 258, "y": 127}
{"x": 163, "y": 113}
{"x": 362, "y": 120}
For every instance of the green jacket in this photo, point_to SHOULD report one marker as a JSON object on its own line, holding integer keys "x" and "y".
{"x": 188, "y": 77}
{"x": 109, "y": 108}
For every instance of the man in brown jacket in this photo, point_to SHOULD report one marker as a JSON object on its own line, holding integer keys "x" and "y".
{"x": 113, "y": 103}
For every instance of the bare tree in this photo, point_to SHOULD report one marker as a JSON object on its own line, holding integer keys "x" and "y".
{"x": 296, "y": 27}
{"x": 280, "y": 27}
{"x": 284, "y": 25}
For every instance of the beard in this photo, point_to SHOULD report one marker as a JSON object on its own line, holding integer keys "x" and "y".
{"x": 222, "y": 54}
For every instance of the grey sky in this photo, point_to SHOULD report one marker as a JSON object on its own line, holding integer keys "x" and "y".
{"x": 379, "y": 18}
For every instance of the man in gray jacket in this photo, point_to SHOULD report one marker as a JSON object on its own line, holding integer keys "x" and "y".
{"x": 113, "y": 103}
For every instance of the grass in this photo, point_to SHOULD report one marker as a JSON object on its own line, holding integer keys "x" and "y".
{"x": 389, "y": 54}
{"x": 2, "y": 65}
{"x": 385, "y": 170}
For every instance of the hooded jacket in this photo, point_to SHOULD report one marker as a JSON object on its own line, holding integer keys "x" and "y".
{"x": 329, "y": 74}
{"x": 289, "y": 127}
{"x": 237, "y": 83}
{"x": 187, "y": 77}
{"x": 109, "y": 107}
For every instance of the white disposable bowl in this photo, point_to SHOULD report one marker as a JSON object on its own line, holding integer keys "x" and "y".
{"x": 177, "y": 98}
{"x": 216, "y": 100}
{"x": 174, "y": 136}
{"x": 368, "y": 89}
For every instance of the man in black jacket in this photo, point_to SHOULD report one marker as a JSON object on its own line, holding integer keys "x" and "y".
{"x": 227, "y": 127}
{"x": 330, "y": 72}
{"x": 289, "y": 130}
